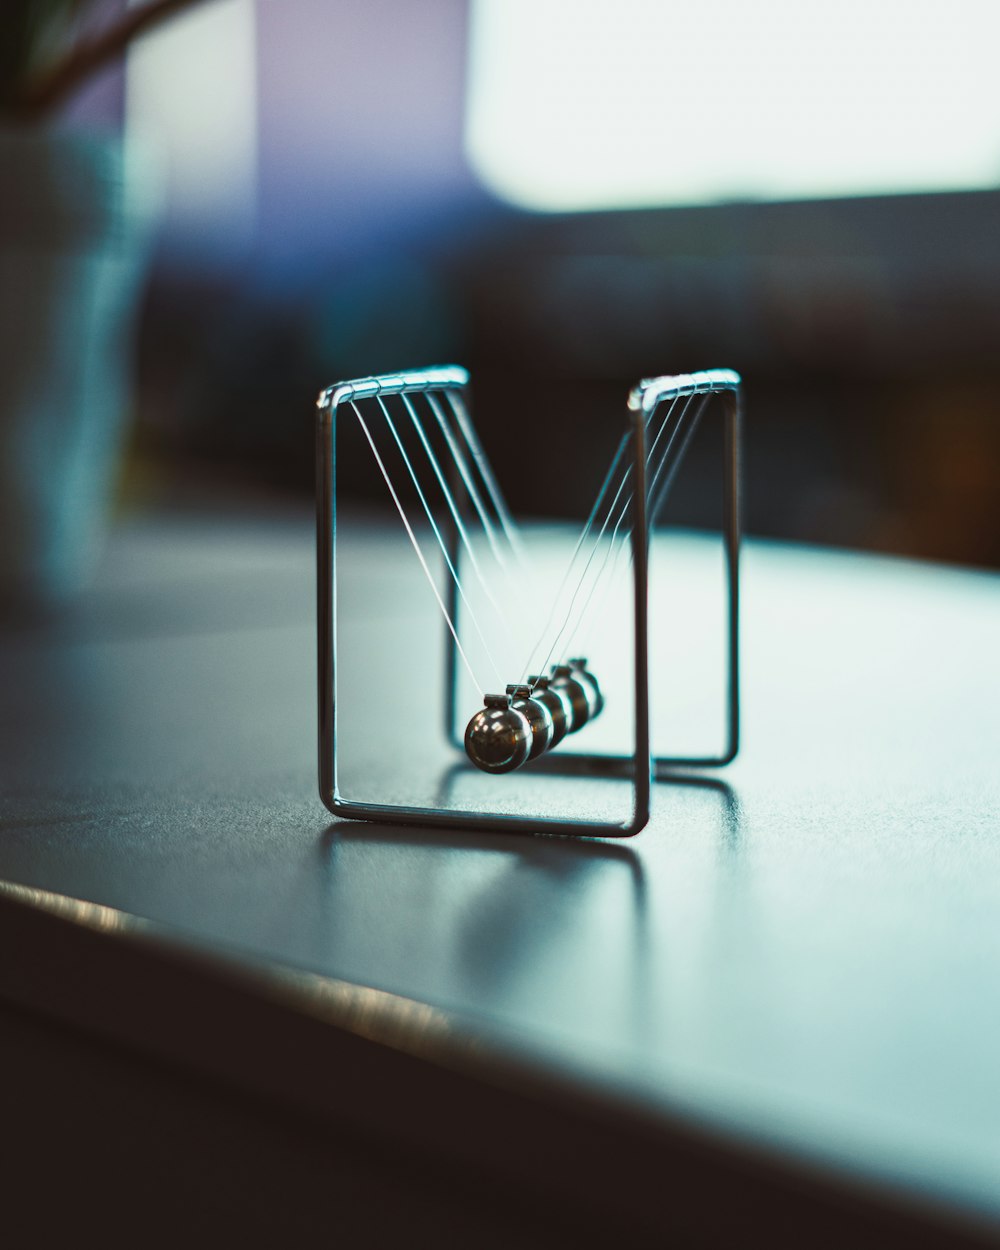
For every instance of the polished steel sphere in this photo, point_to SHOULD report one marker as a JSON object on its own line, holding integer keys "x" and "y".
{"x": 587, "y": 679}
{"x": 556, "y": 704}
{"x": 498, "y": 739}
{"x": 538, "y": 717}
{"x": 565, "y": 681}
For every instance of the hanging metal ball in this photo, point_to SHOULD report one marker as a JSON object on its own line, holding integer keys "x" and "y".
{"x": 538, "y": 717}
{"x": 565, "y": 681}
{"x": 498, "y": 739}
{"x": 557, "y": 705}
{"x": 586, "y": 678}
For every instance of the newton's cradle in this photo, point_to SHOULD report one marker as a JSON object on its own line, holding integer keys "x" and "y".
{"x": 522, "y": 684}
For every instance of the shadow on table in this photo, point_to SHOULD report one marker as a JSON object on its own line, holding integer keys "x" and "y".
{"x": 538, "y": 924}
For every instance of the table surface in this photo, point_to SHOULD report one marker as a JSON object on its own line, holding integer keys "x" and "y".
{"x": 805, "y": 957}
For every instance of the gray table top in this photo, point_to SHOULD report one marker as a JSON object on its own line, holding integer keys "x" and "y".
{"x": 809, "y": 958}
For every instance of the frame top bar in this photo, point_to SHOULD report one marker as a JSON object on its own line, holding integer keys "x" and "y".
{"x": 437, "y": 377}
{"x": 650, "y": 391}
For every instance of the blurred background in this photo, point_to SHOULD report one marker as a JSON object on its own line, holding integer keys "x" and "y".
{"x": 566, "y": 198}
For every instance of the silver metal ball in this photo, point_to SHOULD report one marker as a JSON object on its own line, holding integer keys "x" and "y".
{"x": 595, "y": 699}
{"x": 565, "y": 681}
{"x": 498, "y": 739}
{"x": 538, "y": 717}
{"x": 557, "y": 705}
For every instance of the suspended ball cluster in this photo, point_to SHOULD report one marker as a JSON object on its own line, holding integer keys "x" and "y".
{"x": 532, "y": 718}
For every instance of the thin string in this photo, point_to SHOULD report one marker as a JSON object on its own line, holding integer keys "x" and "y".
{"x": 660, "y": 484}
{"x": 675, "y": 463}
{"x": 583, "y": 576}
{"x": 662, "y": 458}
{"x": 658, "y": 497}
{"x": 588, "y": 527}
{"x": 457, "y": 405}
{"x": 459, "y": 458}
{"x": 416, "y": 547}
{"x": 480, "y": 509}
{"x": 597, "y": 542}
{"x": 437, "y": 534}
{"x": 456, "y": 514}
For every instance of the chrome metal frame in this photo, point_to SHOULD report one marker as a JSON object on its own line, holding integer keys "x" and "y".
{"x": 639, "y": 767}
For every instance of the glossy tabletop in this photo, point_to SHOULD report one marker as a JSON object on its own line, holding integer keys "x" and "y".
{"x": 805, "y": 956}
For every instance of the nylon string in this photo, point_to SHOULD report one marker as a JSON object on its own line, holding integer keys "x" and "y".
{"x": 437, "y": 534}
{"x": 669, "y": 463}
{"x": 456, "y": 514}
{"x": 416, "y": 547}
{"x": 467, "y": 479}
{"x": 457, "y": 405}
{"x": 597, "y": 541}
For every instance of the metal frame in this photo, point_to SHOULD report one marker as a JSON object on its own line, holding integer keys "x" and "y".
{"x": 639, "y": 767}
{"x": 726, "y": 383}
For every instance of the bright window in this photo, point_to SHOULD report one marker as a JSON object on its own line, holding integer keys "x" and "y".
{"x": 625, "y": 103}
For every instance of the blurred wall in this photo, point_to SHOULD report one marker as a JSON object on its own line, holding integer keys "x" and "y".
{"x": 867, "y": 329}
{"x": 360, "y": 130}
